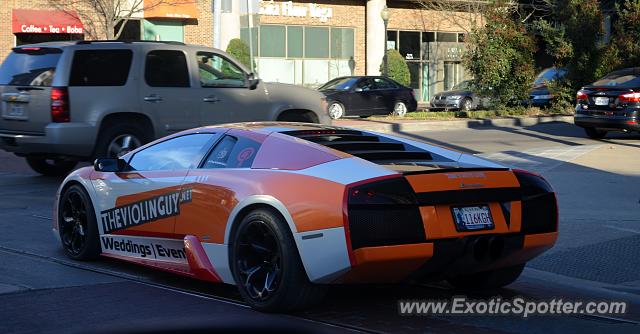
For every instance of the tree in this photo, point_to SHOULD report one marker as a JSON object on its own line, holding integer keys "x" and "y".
{"x": 500, "y": 55}
{"x": 623, "y": 50}
{"x": 107, "y": 18}
{"x": 239, "y": 50}
{"x": 398, "y": 69}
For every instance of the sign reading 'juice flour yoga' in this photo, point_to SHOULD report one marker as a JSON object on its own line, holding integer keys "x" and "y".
{"x": 272, "y": 8}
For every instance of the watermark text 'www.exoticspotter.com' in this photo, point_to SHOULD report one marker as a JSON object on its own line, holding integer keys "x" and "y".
{"x": 518, "y": 306}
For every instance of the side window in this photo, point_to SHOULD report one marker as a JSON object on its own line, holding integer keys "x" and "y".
{"x": 100, "y": 67}
{"x": 232, "y": 152}
{"x": 380, "y": 83}
{"x": 166, "y": 68}
{"x": 216, "y": 71}
{"x": 176, "y": 153}
{"x": 364, "y": 85}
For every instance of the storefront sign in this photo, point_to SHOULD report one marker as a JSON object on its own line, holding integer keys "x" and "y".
{"x": 288, "y": 9}
{"x": 27, "y": 21}
{"x": 171, "y": 9}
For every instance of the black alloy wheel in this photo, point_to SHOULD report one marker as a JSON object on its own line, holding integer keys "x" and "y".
{"x": 259, "y": 260}
{"x": 77, "y": 225}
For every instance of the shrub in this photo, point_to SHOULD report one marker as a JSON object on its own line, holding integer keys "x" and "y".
{"x": 398, "y": 69}
{"x": 624, "y": 49}
{"x": 500, "y": 57}
{"x": 239, "y": 50}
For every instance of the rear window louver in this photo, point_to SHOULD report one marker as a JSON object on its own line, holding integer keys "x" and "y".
{"x": 363, "y": 145}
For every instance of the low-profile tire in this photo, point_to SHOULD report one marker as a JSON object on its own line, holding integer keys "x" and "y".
{"x": 594, "y": 133}
{"x": 336, "y": 110}
{"x": 77, "y": 224}
{"x": 266, "y": 265}
{"x": 487, "y": 280}
{"x": 117, "y": 139}
{"x": 51, "y": 167}
{"x": 465, "y": 104}
{"x": 400, "y": 109}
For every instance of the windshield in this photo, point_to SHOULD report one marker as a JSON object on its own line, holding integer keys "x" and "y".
{"x": 339, "y": 84}
{"x": 549, "y": 75}
{"x": 29, "y": 69}
{"x": 465, "y": 85}
{"x": 628, "y": 78}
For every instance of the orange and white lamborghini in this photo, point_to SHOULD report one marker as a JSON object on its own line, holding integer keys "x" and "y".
{"x": 281, "y": 210}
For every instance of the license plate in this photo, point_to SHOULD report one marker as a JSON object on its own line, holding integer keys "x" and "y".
{"x": 601, "y": 101}
{"x": 472, "y": 218}
{"x": 15, "y": 110}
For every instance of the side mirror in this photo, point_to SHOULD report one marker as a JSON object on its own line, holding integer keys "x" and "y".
{"x": 109, "y": 165}
{"x": 252, "y": 82}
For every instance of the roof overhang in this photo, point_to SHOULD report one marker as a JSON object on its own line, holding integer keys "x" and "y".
{"x": 35, "y": 21}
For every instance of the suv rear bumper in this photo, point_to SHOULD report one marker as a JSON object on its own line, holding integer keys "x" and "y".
{"x": 74, "y": 140}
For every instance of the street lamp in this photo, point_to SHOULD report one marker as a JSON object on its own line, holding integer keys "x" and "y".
{"x": 384, "y": 14}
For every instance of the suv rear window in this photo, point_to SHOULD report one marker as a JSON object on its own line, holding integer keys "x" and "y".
{"x": 100, "y": 67}
{"x": 33, "y": 67}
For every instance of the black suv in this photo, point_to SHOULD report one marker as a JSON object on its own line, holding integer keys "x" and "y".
{"x": 611, "y": 103}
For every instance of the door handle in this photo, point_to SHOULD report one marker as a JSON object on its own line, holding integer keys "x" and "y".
{"x": 153, "y": 98}
{"x": 211, "y": 99}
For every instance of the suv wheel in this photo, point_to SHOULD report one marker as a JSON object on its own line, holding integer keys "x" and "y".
{"x": 51, "y": 167}
{"x": 119, "y": 139}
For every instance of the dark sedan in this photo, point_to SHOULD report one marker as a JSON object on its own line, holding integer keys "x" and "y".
{"x": 539, "y": 96}
{"x": 611, "y": 103}
{"x": 366, "y": 96}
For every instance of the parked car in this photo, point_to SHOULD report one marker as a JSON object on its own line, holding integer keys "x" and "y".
{"x": 611, "y": 103}
{"x": 539, "y": 96}
{"x": 64, "y": 102}
{"x": 460, "y": 97}
{"x": 366, "y": 96}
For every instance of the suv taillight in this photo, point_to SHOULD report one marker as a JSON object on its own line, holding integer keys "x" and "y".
{"x": 629, "y": 98}
{"x": 582, "y": 96}
{"x": 60, "y": 105}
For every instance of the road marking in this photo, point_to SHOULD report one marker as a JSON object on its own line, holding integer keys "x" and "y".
{"x": 622, "y": 229}
{"x": 540, "y": 159}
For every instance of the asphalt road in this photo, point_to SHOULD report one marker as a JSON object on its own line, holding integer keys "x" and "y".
{"x": 596, "y": 258}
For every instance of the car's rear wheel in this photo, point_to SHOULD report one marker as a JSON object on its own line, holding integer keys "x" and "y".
{"x": 51, "y": 167}
{"x": 491, "y": 279}
{"x": 77, "y": 224}
{"x": 119, "y": 139}
{"x": 400, "y": 109}
{"x": 594, "y": 133}
{"x": 465, "y": 104}
{"x": 266, "y": 266}
{"x": 336, "y": 110}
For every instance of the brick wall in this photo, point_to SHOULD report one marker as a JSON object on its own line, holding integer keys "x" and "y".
{"x": 200, "y": 31}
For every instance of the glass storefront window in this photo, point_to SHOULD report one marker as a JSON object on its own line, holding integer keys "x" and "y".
{"x": 427, "y": 37}
{"x": 410, "y": 45}
{"x": 316, "y": 42}
{"x": 342, "y": 40}
{"x": 244, "y": 35}
{"x": 272, "y": 41}
{"x": 294, "y": 41}
{"x": 163, "y": 30}
{"x": 392, "y": 39}
{"x": 447, "y": 37}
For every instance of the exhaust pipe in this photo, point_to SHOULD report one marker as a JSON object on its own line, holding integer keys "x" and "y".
{"x": 496, "y": 247}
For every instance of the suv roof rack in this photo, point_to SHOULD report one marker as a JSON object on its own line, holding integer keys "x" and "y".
{"x": 128, "y": 41}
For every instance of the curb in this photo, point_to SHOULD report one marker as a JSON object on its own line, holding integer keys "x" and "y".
{"x": 399, "y": 126}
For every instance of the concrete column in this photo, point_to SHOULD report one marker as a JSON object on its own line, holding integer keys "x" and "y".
{"x": 375, "y": 36}
{"x": 230, "y": 24}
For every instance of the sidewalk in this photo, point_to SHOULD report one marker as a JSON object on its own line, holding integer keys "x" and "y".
{"x": 434, "y": 125}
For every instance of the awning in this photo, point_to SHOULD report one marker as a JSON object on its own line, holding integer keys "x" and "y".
{"x": 170, "y": 9}
{"x": 34, "y": 21}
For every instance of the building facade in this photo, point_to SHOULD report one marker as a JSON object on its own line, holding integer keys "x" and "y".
{"x": 310, "y": 42}
{"x": 299, "y": 42}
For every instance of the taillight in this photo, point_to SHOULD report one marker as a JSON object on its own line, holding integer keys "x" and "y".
{"x": 539, "y": 204}
{"x": 413, "y": 93}
{"x": 382, "y": 212}
{"x": 582, "y": 96}
{"x": 629, "y": 98}
{"x": 60, "y": 105}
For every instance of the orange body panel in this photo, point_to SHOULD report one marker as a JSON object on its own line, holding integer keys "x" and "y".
{"x": 387, "y": 263}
